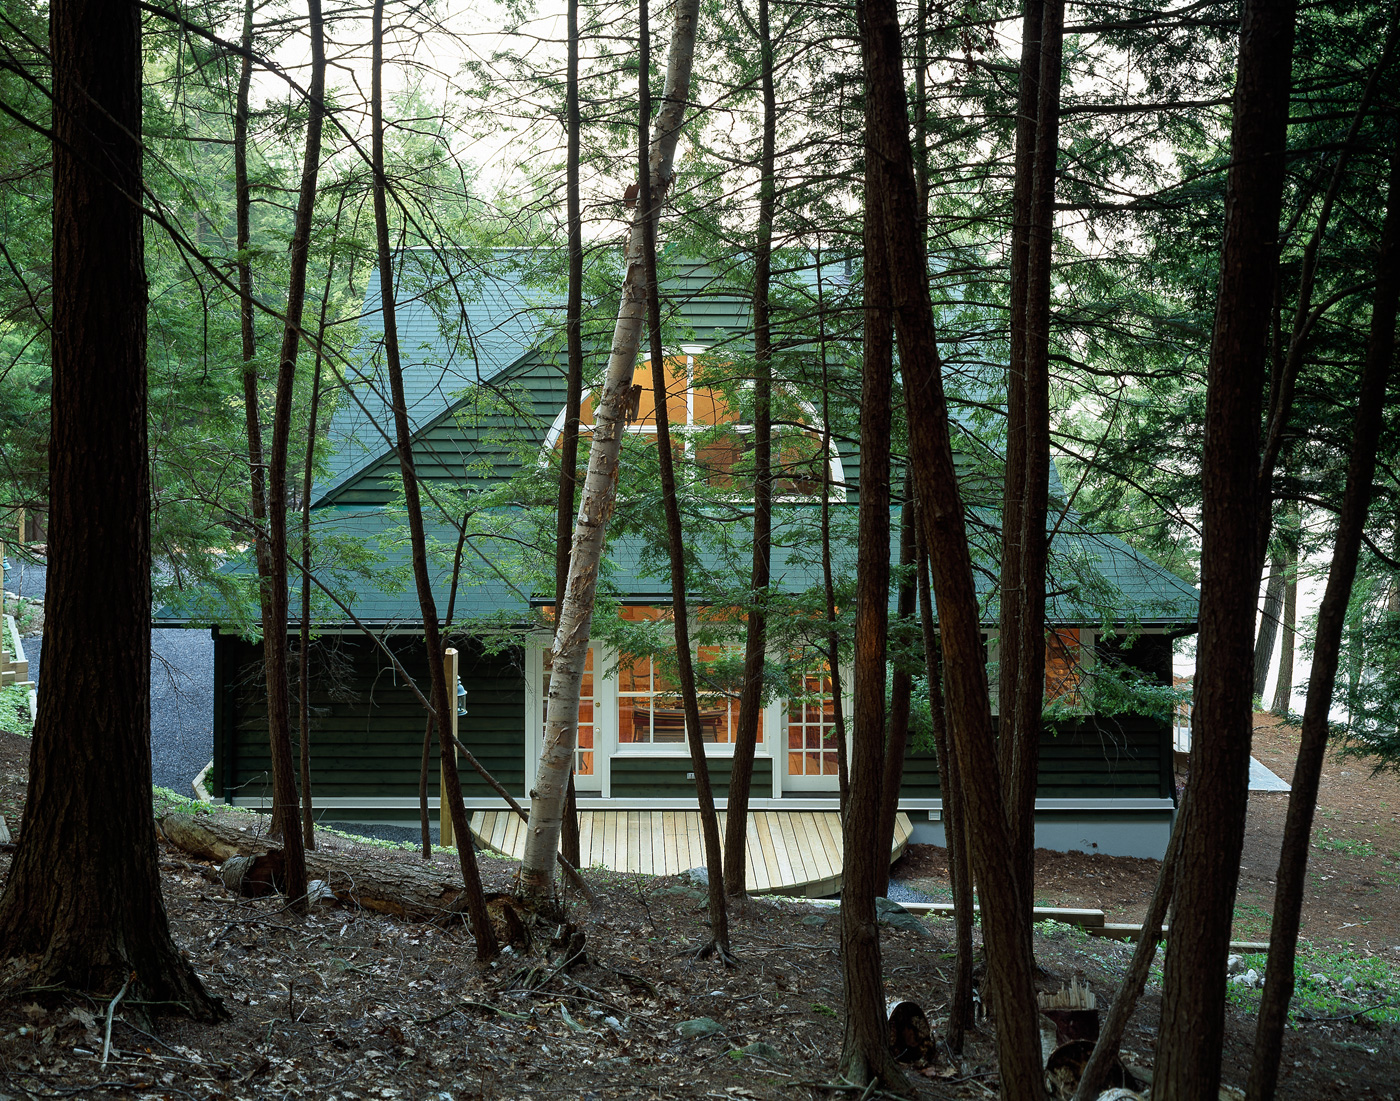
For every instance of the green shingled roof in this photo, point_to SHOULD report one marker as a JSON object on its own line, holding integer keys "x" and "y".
{"x": 1091, "y": 573}
{"x": 502, "y": 309}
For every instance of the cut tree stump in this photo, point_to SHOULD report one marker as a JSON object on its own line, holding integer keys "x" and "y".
{"x": 408, "y": 891}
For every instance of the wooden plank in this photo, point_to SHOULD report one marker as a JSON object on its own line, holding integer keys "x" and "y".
{"x": 829, "y": 827}
{"x": 627, "y": 847}
{"x": 679, "y": 843}
{"x": 785, "y": 872}
{"x": 585, "y": 836}
{"x": 694, "y": 841}
{"x": 599, "y": 828}
{"x": 644, "y": 842}
{"x": 658, "y": 843}
{"x": 785, "y": 842}
{"x": 804, "y": 867}
{"x": 762, "y": 834}
{"x": 608, "y": 838}
{"x": 819, "y": 855}
{"x": 827, "y": 864}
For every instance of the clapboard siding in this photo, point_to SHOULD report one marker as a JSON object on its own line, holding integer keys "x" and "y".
{"x": 367, "y": 730}
{"x": 666, "y": 777}
{"x": 1119, "y": 758}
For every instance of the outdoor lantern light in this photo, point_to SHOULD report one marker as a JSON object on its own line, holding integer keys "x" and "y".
{"x": 461, "y": 699}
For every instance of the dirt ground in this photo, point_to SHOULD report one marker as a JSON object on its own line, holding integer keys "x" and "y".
{"x": 346, "y": 1004}
{"x": 1353, "y": 869}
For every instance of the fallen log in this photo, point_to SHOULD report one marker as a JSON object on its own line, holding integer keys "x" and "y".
{"x": 410, "y": 891}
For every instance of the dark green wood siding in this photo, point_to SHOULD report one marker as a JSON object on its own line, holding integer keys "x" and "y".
{"x": 666, "y": 777}
{"x": 1127, "y": 757}
{"x": 367, "y": 725}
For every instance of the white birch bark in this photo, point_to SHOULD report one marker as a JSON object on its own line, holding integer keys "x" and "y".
{"x": 600, "y": 489}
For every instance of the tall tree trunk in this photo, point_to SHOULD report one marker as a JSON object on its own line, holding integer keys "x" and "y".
{"x": 1193, "y": 1003}
{"x": 308, "y": 817}
{"x": 1004, "y": 914}
{"x": 485, "y": 937}
{"x": 756, "y": 635}
{"x": 252, "y": 410}
{"x": 954, "y": 823}
{"x": 833, "y": 637}
{"x": 1105, "y": 1054}
{"x": 1026, "y": 493}
{"x": 1283, "y": 687}
{"x": 276, "y": 611}
{"x": 1014, "y": 485}
{"x": 718, "y": 943}
{"x": 1268, "y": 626}
{"x": 599, "y": 488}
{"x": 1331, "y": 617}
{"x": 573, "y": 401}
{"x": 865, "y": 1046}
{"x": 901, "y": 690}
{"x": 83, "y": 894}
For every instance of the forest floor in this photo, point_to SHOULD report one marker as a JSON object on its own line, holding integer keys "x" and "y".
{"x": 349, "y": 1004}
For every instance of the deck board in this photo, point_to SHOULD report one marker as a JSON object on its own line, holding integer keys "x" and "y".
{"x": 789, "y": 851}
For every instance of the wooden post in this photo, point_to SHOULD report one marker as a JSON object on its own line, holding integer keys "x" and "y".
{"x": 449, "y": 671}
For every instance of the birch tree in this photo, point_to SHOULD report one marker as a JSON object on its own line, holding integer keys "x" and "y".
{"x": 575, "y": 624}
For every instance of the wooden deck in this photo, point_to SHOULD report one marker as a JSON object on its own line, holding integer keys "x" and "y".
{"x": 791, "y": 852}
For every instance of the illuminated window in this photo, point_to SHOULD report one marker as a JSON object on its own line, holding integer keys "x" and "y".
{"x": 811, "y": 724}
{"x": 1062, "y": 672}
{"x": 649, "y": 705}
{"x": 706, "y": 430}
{"x": 583, "y": 754}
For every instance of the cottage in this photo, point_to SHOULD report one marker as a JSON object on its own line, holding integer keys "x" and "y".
{"x": 486, "y": 395}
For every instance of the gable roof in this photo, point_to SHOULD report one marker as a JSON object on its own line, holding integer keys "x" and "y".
{"x": 501, "y": 311}
{"x": 496, "y": 322}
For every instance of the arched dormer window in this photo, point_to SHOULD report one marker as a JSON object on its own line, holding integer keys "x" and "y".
{"x": 709, "y": 433}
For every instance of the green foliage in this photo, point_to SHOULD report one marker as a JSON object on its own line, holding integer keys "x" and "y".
{"x": 14, "y": 710}
{"x": 1332, "y": 984}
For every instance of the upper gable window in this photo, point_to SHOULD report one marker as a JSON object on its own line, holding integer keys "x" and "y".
{"x": 708, "y": 432}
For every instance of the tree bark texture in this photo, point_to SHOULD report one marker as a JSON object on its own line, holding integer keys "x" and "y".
{"x": 1026, "y": 492}
{"x": 960, "y": 1007}
{"x": 600, "y": 489}
{"x": 1014, "y": 485}
{"x": 573, "y": 400}
{"x": 83, "y": 896}
{"x": 1283, "y": 687}
{"x": 1004, "y": 912}
{"x": 252, "y": 401}
{"x": 736, "y": 826}
{"x": 482, "y": 932}
{"x": 675, "y": 537}
{"x": 901, "y": 690}
{"x": 1193, "y": 1003}
{"x": 1331, "y": 617}
{"x": 1105, "y": 1055}
{"x": 865, "y": 1048}
{"x": 1268, "y": 626}
{"x": 308, "y": 817}
{"x": 275, "y": 604}
{"x": 833, "y": 636}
